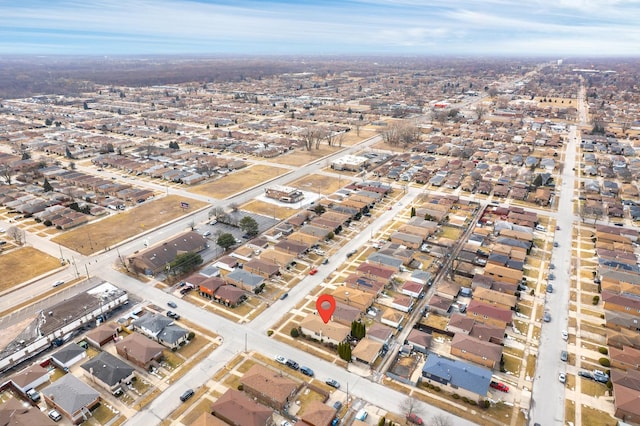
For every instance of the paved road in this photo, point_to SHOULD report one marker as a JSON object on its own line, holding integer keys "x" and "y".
{"x": 547, "y": 400}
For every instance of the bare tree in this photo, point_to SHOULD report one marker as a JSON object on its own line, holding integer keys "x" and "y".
{"x": 7, "y": 173}
{"x": 234, "y": 207}
{"x": 441, "y": 420}
{"x": 192, "y": 225}
{"x": 480, "y": 112}
{"x": 17, "y": 234}
{"x": 312, "y": 137}
{"x": 410, "y": 406}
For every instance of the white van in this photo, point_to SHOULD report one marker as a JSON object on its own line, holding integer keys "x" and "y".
{"x": 361, "y": 415}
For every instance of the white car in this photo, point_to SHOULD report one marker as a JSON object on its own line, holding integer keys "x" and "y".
{"x": 281, "y": 359}
{"x": 565, "y": 335}
{"x": 562, "y": 377}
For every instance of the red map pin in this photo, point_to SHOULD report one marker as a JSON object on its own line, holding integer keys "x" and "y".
{"x": 325, "y": 305}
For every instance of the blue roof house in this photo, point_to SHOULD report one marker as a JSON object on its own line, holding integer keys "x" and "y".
{"x": 459, "y": 377}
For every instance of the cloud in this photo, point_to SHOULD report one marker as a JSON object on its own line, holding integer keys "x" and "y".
{"x": 327, "y": 26}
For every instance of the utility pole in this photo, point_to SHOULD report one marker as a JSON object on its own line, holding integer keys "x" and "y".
{"x": 86, "y": 269}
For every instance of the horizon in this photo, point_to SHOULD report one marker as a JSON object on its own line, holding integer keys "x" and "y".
{"x": 361, "y": 28}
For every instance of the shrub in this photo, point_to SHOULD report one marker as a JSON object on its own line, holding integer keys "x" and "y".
{"x": 240, "y": 387}
{"x": 472, "y": 402}
{"x": 603, "y": 350}
{"x": 191, "y": 335}
{"x": 596, "y": 299}
{"x": 532, "y": 292}
{"x": 465, "y": 399}
{"x": 604, "y": 362}
{"x": 294, "y": 332}
{"x": 455, "y": 396}
{"x": 269, "y": 332}
{"x": 486, "y": 403}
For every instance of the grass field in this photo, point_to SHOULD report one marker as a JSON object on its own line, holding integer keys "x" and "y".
{"x": 320, "y": 183}
{"x": 121, "y": 226}
{"x": 23, "y": 264}
{"x": 300, "y": 157}
{"x": 268, "y": 209}
{"x": 238, "y": 181}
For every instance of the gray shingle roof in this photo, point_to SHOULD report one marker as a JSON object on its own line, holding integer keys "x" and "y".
{"x": 107, "y": 368}
{"x": 458, "y": 373}
{"x": 70, "y": 393}
{"x": 67, "y": 353}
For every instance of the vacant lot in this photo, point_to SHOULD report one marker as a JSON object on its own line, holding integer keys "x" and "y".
{"x": 121, "y": 226}
{"x": 23, "y": 264}
{"x": 268, "y": 209}
{"x": 238, "y": 181}
{"x": 300, "y": 157}
{"x": 320, "y": 183}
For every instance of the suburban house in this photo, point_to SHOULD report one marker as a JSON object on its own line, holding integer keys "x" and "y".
{"x": 108, "y": 371}
{"x": 627, "y": 358}
{"x": 139, "y": 350}
{"x": 621, "y": 303}
{"x": 412, "y": 288}
{"x": 345, "y": 314}
{"x": 318, "y": 414}
{"x": 161, "y": 329}
{"x": 626, "y": 391}
{"x": 102, "y": 334}
{"x": 331, "y": 332}
{"x": 460, "y": 377}
{"x": 207, "y": 419}
{"x": 208, "y": 287}
{"x": 391, "y": 317}
{"x": 379, "y": 332}
{"x": 68, "y": 356}
{"x": 229, "y": 295}
{"x": 367, "y": 351}
{"x": 73, "y": 398}
{"x": 30, "y": 378}
{"x": 262, "y": 267}
{"x": 475, "y": 350}
{"x": 155, "y": 259}
{"x": 14, "y": 412}
{"x": 236, "y": 408}
{"x": 244, "y": 280}
{"x": 503, "y": 273}
{"x": 420, "y": 340}
{"x": 269, "y": 387}
{"x": 489, "y": 314}
{"x": 506, "y": 301}
{"x": 353, "y": 297}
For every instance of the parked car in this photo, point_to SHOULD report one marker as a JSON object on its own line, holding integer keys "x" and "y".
{"x": 585, "y": 374}
{"x": 562, "y": 378}
{"x": 555, "y": 244}
{"x": 172, "y": 305}
{"x": 313, "y": 271}
{"x": 361, "y": 415}
{"x": 415, "y": 419}
{"x": 284, "y": 296}
{"x": 281, "y": 359}
{"x": 565, "y": 335}
{"x": 546, "y": 317}
{"x": 58, "y": 283}
{"x": 499, "y": 386}
{"x": 337, "y": 405}
{"x": 551, "y": 276}
{"x": 34, "y": 395}
{"x": 600, "y": 376}
{"x": 549, "y": 288}
{"x": 292, "y": 364}
{"x": 333, "y": 383}
{"x": 325, "y": 261}
{"x": 173, "y": 315}
{"x": 306, "y": 371}
{"x": 564, "y": 356}
{"x": 54, "y": 415}
{"x": 186, "y": 395}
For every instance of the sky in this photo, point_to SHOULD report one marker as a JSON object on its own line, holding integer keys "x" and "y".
{"x": 550, "y": 28}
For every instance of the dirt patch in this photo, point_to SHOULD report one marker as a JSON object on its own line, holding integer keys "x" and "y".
{"x": 239, "y": 181}
{"x": 301, "y": 157}
{"x": 121, "y": 226}
{"x": 16, "y": 270}
{"x": 319, "y": 183}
